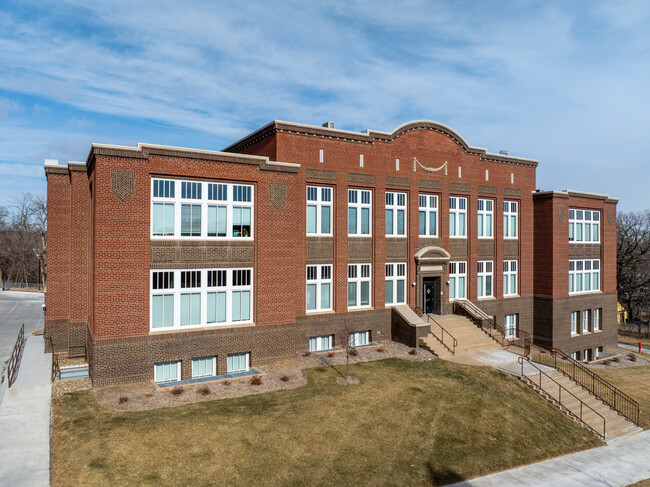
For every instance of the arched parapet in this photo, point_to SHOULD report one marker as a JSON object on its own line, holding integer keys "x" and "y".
{"x": 432, "y": 255}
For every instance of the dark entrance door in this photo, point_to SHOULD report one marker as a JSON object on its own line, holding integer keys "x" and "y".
{"x": 431, "y": 295}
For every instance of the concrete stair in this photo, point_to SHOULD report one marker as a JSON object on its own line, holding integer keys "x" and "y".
{"x": 470, "y": 338}
{"x": 572, "y": 397}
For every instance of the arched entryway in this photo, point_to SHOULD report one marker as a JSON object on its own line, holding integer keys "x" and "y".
{"x": 430, "y": 277}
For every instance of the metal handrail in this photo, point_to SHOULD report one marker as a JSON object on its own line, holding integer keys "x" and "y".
{"x": 559, "y": 398}
{"x": 481, "y": 318}
{"x": 56, "y": 370}
{"x": 599, "y": 387}
{"x": 15, "y": 355}
{"x": 454, "y": 342}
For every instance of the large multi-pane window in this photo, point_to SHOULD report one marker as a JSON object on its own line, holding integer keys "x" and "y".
{"x": 509, "y": 277}
{"x": 584, "y": 276}
{"x": 510, "y": 219}
{"x": 574, "y": 322}
{"x": 319, "y": 287}
{"x": 395, "y": 214}
{"x": 204, "y": 367}
{"x": 319, "y": 210}
{"x": 395, "y": 283}
{"x": 238, "y": 362}
{"x": 428, "y": 215}
{"x": 511, "y": 326}
{"x": 457, "y": 280}
{"x": 201, "y": 209}
{"x": 321, "y": 343}
{"x": 167, "y": 371}
{"x": 484, "y": 279}
{"x": 457, "y": 216}
{"x": 358, "y": 285}
{"x": 200, "y": 297}
{"x": 359, "y": 208}
{"x": 485, "y": 218}
{"x": 359, "y": 338}
{"x": 584, "y": 225}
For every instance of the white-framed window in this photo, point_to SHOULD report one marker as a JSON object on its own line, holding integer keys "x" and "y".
{"x": 395, "y": 283}
{"x": 190, "y": 298}
{"x": 584, "y": 276}
{"x": 509, "y": 277}
{"x": 585, "y": 321}
{"x": 457, "y": 279}
{"x": 359, "y": 209}
{"x": 167, "y": 371}
{"x": 511, "y": 326}
{"x": 597, "y": 324}
{"x": 576, "y": 355}
{"x": 359, "y": 280}
{"x": 395, "y": 214}
{"x": 359, "y": 338}
{"x": 485, "y": 218}
{"x": 484, "y": 279}
{"x": 319, "y": 287}
{"x": 584, "y": 225}
{"x": 201, "y": 209}
{"x": 428, "y": 215}
{"x": 238, "y": 362}
{"x": 204, "y": 367}
{"x": 574, "y": 323}
{"x": 321, "y": 343}
{"x": 457, "y": 216}
{"x": 319, "y": 210}
{"x": 510, "y": 219}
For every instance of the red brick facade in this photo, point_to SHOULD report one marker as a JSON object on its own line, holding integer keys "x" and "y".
{"x": 101, "y": 249}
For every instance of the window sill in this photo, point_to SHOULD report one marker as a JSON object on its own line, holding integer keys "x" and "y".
{"x": 319, "y": 312}
{"x": 159, "y": 331}
{"x": 320, "y": 235}
{"x": 575, "y": 335}
{"x": 196, "y": 239}
{"x": 598, "y": 331}
{"x": 428, "y": 236}
{"x": 356, "y": 235}
{"x": 507, "y": 296}
{"x": 395, "y": 236}
{"x": 486, "y": 298}
{"x": 360, "y": 308}
{"x": 459, "y": 237}
{"x": 510, "y": 238}
{"x": 583, "y": 242}
{"x": 485, "y": 238}
{"x": 580, "y": 293}
{"x": 393, "y": 304}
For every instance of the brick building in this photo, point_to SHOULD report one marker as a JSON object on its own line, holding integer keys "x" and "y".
{"x": 170, "y": 263}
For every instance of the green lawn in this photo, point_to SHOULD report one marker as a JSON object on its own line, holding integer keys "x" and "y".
{"x": 407, "y": 423}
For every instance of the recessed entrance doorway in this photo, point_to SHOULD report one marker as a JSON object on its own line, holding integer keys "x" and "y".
{"x": 432, "y": 298}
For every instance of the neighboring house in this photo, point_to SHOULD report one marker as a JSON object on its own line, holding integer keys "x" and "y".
{"x": 621, "y": 313}
{"x": 170, "y": 263}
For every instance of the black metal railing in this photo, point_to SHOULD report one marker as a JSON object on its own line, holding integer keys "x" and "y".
{"x": 56, "y": 370}
{"x": 451, "y": 342}
{"x": 563, "y": 396}
{"x": 15, "y": 357}
{"x": 587, "y": 378}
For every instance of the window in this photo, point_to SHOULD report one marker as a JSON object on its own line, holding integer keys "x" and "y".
{"x": 321, "y": 343}
{"x": 457, "y": 216}
{"x": 509, "y": 277}
{"x": 395, "y": 283}
{"x": 457, "y": 277}
{"x": 395, "y": 214}
{"x": 319, "y": 287}
{"x": 510, "y": 219}
{"x": 359, "y": 338}
{"x": 574, "y": 323}
{"x": 584, "y": 225}
{"x": 204, "y": 367}
{"x": 167, "y": 371}
{"x": 596, "y": 313}
{"x": 485, "y": 214}
{"x": 359, "y": 204}
{"x": 199, "y": 297}
{"x": 358, "y": 285}
{"x": 584, "y": 276}
{"x": 428, "y": 215}
{"x": 319, "y": 210}
{"x": 585, "y": 321}
{"x": 238, "y": 362}
{"x": 201, "y": 209}
{"x": 484, "y": 280}
{"x": 511, "y": 327}
{"x": 576, "y": 355}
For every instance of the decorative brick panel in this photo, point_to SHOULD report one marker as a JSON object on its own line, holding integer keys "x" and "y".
{"x": 463, "y": 187}
{"x": 397, "y": 181}
{"x": 324, "y": 174}
{"x": 356, "y": 177}
{"x": 511, "y": 192}
{"x": 488, "y": 190}
{"x": 320, "y": 250}
{"x": 430, "y": 184}
{"x": 396, "y": 250}
{"x": 360, "y": 250}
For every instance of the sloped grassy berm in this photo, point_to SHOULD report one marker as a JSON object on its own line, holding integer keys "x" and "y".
{"x": 407, "y": 423}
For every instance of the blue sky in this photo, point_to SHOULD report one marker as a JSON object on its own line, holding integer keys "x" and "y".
{"x": 567, "y": 83}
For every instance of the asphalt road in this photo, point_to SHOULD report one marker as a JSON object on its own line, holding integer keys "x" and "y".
{"x": 17, "y": 308}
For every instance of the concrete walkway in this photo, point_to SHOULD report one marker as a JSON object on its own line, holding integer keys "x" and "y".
{"x": 25, "y": 420}
{"x": 618, "y": 464}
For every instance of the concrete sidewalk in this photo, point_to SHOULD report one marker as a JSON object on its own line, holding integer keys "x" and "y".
{"x": 618, "y": 464}
{"x": 25, "y": 420}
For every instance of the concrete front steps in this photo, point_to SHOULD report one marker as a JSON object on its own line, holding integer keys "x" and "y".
{"x": 593, "y": 409}
{"x": 470, "y": 338}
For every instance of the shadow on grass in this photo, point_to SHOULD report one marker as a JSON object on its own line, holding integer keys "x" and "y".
{"x": 442, "y": 476}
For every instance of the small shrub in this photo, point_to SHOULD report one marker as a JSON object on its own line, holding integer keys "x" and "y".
{"x": 354, "y": 352}
{"x": 148, "y": 394}
{"x": 256, "y": 380}
{"x": 227, "y": 382}
{"x": 177, "y": 390}
{"x": 285, "y": 378}
{"x": 381, "y": 349}
{"x": 632, "y": 357}
{"x": 306, "y": 354}
{"x": 123, "y": 399}
{"x": 204, "y": 391}
{"x": 330, "y": 354}
{"x": 413, "y": 351}
{"x": 616, "y": 359}
{"x": 606, "y": 362}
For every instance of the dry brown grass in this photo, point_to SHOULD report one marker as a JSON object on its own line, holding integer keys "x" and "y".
{"x": 634, "y": 341}
{"x": 455, "y": 422}
{"x": 635, "y": 382}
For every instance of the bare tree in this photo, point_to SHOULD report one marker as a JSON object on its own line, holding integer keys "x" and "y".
{"x": 39, "y": 216}
{"x": 633, "y": 261}
{"x": 343, "y": 338}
